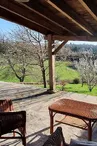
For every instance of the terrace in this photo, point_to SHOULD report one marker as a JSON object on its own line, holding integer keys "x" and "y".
{"x": 37, "y": 99}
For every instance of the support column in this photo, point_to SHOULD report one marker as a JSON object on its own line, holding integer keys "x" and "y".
{"x": 51, "y": 65}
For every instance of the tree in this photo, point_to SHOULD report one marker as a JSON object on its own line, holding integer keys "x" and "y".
{"x": 64, "y": 53}
{"x": 87, "y": 68}
{"x": 38, "y": 45}
{"x": 16, "y": 55}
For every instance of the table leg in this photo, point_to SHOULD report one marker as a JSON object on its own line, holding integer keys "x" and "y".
{"x": 51, "y": 121}
{"x": 89, "y": 131}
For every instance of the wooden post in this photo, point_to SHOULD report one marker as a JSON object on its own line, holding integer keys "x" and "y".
{"x": 51, "y": 65}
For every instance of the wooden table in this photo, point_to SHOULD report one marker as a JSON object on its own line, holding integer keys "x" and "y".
{"x": 81, "y": 110}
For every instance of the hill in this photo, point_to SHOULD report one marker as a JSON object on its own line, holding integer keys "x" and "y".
{"x": 63, "y": 72}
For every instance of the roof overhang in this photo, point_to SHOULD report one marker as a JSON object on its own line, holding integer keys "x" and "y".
{"x": 60, "y": 18}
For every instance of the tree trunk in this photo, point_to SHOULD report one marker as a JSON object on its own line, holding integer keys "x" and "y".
{"x": 23, "y": 76}
{"x": 82, "y": 82}
{"x": 44, "y": 77}
{"x": 90, "y": 88}
{"x": 21, "y": 79}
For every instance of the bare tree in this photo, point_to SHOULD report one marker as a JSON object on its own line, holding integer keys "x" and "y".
{"x": 37, "y": 45}
{"x": 16, "y": 55}
{"x": 87, "y": 68}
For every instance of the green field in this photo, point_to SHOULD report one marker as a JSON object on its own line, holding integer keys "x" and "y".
{"x": 77, "y": 88}
{"x": 7, "y": 75}
{"x": 63, "y": 72}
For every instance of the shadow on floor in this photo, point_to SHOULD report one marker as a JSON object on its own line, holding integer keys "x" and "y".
{"x": 32, "y": 96}
{"x": 34, "y": 139}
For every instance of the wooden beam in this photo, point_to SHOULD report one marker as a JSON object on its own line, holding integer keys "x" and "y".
{"x": 74, "y": 38}
{"x": 23, "y": 12}
{"x": 16, "y": 19}
{"x": 51, "y": 65}
{"x": 90, "y": 7}
{"x": 32, "y": 5}
{"x": 59, "y": 47}
{"x": 65, "y": 10}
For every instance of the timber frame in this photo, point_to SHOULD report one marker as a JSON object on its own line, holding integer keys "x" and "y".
{"x": 58, "y": 20}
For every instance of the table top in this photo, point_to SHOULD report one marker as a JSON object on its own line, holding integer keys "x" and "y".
{"x": 75, "y": 108}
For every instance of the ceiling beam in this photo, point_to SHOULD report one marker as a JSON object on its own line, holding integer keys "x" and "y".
{"x": 23, "y": 12}
{"x": 74, "y": 38}
{"x": 90, "y": 7}
{"x": 42, "y": 11}
{"x": 16, "y": 19}
{"x": 22, "y": 1}
{"x": 68, "y": 12}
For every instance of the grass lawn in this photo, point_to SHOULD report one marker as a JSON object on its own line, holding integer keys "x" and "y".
{"x": 63, "y": 72}
{"x": 7, "y": 75}
{"x": 79, "y": 89}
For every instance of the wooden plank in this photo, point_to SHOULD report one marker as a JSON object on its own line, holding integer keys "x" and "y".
{"x": 42, "y": 11}
{"x": 59, "y": 47}
{"x": 23, "y": 12}
{"x": 65, "y": 10}
{"x": 74, "y": 38}
{"x": 16, "y": 19}
{"x": 90, "y": 7}
{"x": 21, "y": 1}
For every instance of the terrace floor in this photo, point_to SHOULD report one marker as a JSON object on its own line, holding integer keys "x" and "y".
{"x": 36, "y": 101}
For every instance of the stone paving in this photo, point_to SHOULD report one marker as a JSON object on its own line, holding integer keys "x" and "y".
{"x": 18, "y": 91}
{"x": 36, "y": 101}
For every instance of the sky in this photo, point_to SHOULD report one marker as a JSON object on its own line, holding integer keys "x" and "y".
{"x": 7, "y": 26}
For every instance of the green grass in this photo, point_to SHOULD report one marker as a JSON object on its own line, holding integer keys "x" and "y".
{"x": 7, "y": 75}
{"x": 63, "y": 72}
{"x": 77, "y": 88}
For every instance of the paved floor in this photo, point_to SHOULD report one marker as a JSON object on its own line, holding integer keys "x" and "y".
{"x": 36, "y": 103}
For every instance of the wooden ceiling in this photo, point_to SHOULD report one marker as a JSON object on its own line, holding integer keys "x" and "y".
{"x": 57, "y": 17}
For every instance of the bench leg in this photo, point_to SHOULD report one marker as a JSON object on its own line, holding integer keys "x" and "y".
{"x": 51, "y": 121}
{"x": 24, "y": 141}
{"x": 89, "y": 131}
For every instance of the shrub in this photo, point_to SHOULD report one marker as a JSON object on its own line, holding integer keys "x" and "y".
{"x": 76, "y": 81}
